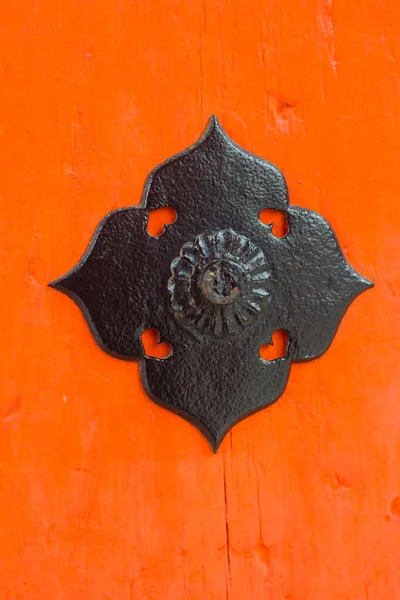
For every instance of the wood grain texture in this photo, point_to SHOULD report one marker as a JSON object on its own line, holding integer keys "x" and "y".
{"x": 103, "y": 494}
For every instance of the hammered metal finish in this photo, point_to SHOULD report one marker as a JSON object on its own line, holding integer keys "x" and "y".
{"x": 216, "y": 284}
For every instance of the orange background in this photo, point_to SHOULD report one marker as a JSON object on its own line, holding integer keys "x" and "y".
{"x": 103, "y": 494}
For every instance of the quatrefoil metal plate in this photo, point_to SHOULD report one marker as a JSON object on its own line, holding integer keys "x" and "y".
{"x": 216, "y": 284}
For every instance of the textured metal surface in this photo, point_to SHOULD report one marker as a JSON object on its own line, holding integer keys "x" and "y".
{"x": 216, "y": 284}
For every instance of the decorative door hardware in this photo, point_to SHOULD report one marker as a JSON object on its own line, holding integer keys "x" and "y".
{"x": 216, "y": 284}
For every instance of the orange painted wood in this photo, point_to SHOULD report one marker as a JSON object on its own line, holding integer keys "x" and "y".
{"x": 103, "y": 494}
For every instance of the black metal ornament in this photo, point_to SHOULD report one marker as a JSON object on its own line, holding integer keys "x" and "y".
{"x": 216, "y": 284}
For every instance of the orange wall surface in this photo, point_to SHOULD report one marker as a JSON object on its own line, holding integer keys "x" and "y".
{"x": 103, "y": 494}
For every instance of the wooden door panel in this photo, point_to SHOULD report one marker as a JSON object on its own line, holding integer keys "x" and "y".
{"x": 103, "y": 494}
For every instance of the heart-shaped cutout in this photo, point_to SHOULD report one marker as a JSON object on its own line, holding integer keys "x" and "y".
{"x": 278, "y": 348}
{"x": 153, "y": 348}
{"x": 276, "y": 218}
{"x": 159, "y": 218}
